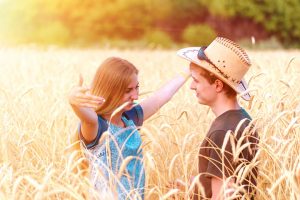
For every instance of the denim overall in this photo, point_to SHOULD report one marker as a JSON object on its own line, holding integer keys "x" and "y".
{"x": 119, "y": 149}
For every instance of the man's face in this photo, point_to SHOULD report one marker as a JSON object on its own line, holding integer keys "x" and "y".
{"x": 204, "y": 91}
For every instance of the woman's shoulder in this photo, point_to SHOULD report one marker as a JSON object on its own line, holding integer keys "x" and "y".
{"x": 135, "y": 114}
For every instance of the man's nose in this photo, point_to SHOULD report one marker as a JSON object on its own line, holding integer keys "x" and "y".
{"x": 192, "y": 86}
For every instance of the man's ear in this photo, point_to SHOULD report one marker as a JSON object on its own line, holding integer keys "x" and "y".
{"x": 219, "y": 85}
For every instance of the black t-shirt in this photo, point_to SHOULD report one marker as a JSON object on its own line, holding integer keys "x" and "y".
{"x": 223, "y": 155}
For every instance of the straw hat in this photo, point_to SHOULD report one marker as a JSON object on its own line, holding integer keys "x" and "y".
{"x": 225, "y": 59}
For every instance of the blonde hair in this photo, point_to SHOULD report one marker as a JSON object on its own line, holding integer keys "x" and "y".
{"x": 110, "y": 82}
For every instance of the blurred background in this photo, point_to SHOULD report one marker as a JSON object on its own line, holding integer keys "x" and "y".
{"x": 149, "y": 23}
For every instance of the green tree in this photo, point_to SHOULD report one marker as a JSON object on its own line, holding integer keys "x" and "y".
{"x": 87, "y": 22}
{"x": 198, "y": 34}
{"x": 281, "y": 18}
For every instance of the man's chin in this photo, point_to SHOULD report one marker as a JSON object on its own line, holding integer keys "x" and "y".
{"x": 200, "y": 101}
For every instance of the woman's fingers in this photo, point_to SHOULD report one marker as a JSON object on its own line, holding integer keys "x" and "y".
{"x": 90, "y": 101}
{"x": 89, "y": 98}
{"x": 84, "y": 92}
{"x": 89, "y": 105}
{"x": 81, "y": 96}
{"x": 94, "y": 97}
{"x": 85, "y": 103}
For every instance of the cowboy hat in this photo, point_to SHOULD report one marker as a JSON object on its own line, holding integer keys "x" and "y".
{"x": 225, "y": 59}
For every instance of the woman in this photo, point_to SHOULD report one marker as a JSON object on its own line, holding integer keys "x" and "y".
{"x": 110, "y": 106}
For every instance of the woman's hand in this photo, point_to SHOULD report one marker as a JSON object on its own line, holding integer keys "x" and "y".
{"x": 80, "y": 96}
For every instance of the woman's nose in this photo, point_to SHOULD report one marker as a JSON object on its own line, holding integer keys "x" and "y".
{"x": 135, "y": 95}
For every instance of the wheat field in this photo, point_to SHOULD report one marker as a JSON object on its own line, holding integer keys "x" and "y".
{"x": 37, "y": 122}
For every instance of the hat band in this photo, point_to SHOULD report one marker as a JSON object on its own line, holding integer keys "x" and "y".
{"x": 202, "y": 56}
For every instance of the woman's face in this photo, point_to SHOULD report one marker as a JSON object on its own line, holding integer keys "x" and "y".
{"x": 131, "y": 93}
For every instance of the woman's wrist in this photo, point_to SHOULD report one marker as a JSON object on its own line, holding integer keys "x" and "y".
{"x": 185, "y": 74}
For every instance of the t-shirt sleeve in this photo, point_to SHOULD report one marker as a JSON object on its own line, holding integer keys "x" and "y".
{"x": 87, "y": 144}
{"x": 220, "y": 163}
{"x": 101, "y": 129}
{"x": 136, "y": 114}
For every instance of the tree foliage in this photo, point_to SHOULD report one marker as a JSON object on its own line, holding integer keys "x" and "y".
{"x": 199, "y": 34}
{"x": 87, "y": 22}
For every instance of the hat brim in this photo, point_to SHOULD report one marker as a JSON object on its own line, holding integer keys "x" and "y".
{"x": 190, "y": 54}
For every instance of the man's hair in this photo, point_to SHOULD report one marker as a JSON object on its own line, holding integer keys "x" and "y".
{"x": 211, "y": 78}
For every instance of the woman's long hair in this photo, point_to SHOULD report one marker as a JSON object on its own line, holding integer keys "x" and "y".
{"x": 110, "y": 82}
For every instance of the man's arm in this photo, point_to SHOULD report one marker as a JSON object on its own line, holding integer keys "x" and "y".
{"x": 216, "y": 188}
{"x": 219, "y": 190}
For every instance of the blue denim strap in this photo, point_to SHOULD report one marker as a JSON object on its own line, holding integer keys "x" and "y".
{"x": 135, "y": 114}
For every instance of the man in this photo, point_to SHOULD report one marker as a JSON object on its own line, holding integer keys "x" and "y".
{"x": 227, "y": 166}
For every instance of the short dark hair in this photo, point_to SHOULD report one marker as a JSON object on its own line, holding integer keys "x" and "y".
{"x": 211, "y": 78}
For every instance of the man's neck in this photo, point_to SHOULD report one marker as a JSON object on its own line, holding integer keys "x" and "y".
{"x": 223, "y": 104}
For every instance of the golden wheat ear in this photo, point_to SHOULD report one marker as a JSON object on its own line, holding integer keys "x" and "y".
{"x": 77, "y": 162}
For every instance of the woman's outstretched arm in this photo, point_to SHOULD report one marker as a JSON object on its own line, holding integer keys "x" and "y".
{"x": 159, "y": 98}
{"x": 83, "y": 105}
